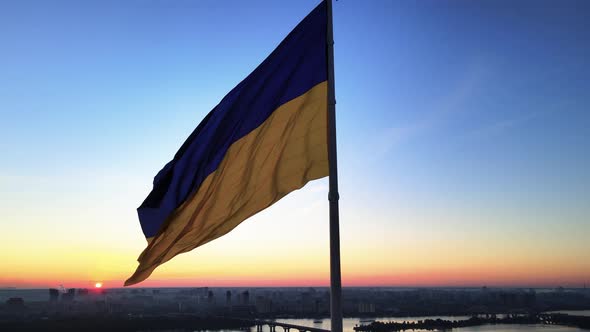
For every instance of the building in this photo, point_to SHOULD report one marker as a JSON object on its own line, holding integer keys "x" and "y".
{"x": 15, "y": 304}
{"x": 53, "y": 295}
{"x": 228, "y": 298}
{"x": 263, "y": 305}
{"x": 366, "y": 308}
{"x": 245, "y": 298}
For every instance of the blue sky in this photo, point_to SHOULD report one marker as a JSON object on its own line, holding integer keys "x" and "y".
{"x": 466, "y": 120}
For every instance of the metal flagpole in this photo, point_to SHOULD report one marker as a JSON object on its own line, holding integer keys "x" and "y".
{"x": 335, "y": 278}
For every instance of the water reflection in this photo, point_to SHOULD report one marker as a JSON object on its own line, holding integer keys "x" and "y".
{"x": 349, "y": 324}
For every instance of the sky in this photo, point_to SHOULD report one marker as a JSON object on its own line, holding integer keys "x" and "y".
{"x": 462, "y": 138}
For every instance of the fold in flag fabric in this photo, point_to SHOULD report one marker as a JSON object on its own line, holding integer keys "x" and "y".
{"x": 266, "y": 138}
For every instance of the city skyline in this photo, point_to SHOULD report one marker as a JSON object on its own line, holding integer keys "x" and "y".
{"x": 462, "y": 136}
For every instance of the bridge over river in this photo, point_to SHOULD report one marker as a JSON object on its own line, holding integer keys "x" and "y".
{"x": 286, "y": 327}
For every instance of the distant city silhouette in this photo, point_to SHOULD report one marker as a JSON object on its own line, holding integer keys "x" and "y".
{"x": 258, "y": 308}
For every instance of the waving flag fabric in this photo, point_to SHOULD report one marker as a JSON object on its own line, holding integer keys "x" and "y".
{"x": 266, "y": 138}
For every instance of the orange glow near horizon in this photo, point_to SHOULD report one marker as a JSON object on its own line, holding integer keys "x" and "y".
{"x": 225, "y": 263}
{"x": 293, "y": 251}
{"x": 428, "y": 278}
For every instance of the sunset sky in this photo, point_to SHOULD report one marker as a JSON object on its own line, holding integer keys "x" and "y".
{"x": 462, "y": 134}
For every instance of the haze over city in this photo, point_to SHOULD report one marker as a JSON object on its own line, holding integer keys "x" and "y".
{"x": 462, "y": 135}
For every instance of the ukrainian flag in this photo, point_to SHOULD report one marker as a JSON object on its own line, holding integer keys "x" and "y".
{"x": 266, "y": 138}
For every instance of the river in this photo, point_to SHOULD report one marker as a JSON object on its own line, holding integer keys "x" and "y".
{"x": 350, "y": 323}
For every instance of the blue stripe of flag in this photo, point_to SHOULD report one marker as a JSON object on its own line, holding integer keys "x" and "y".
{"x": 294, "y": 67}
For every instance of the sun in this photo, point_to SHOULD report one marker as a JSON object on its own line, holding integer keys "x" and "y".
{"x": 98, "y": 285}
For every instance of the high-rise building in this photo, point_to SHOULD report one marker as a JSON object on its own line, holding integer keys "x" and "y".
{"x": 53, "y": 295}
{"x": 245, "y": 297}
{"x": 263, "y": 305}
{"x": 210, "y": 297}
{"x": 69, "y": 296}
